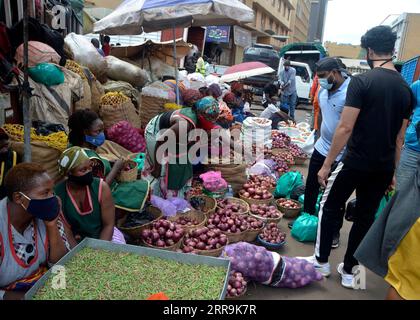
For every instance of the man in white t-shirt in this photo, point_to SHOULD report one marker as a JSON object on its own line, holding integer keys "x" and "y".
{"x": 271, "y": 110}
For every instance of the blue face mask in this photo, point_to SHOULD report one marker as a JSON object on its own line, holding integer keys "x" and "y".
{"x": 97, "y": 141}
{"x": 44, "y": 209}
{"x": 325, "y": 84}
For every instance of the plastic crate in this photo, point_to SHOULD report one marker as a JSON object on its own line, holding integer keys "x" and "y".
{"x": 411, "y": 70}
{"x": 110, "y": 246}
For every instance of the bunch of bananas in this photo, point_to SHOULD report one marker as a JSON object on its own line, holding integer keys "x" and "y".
{"x": 172, "y": 106}
{"x": 113, "y": 99}
{"x": 56, "y": 140}
{"x": 75, "y": 67}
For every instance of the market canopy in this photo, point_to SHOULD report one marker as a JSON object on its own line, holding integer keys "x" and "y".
{"x": 136, "y": 16}
{"x": 245, "y": 70}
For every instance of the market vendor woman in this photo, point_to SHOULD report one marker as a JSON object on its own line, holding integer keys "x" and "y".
{"x": 173, "y": 180}
{"x": 32, "y": 233}
{"x": 87, "y": 131}
{"x": 87, "y": 201}
{"x": 8, "y": 159}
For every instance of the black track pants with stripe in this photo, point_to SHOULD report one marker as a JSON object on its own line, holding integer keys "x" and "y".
{"x": 370, "y": 188}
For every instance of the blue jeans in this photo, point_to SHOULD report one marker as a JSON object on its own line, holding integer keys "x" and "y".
{"x": 407, "y": 167}
{"x": 291, "y": 102}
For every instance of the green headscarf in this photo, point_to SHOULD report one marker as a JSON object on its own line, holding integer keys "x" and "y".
{"x": 208, "y": 107}
{"x": 70, "y": 159}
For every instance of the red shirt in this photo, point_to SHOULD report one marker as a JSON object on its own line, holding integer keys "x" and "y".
{"x": 106, "y": 48}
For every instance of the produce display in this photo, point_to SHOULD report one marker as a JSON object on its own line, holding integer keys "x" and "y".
{"x": 272, "y": 234}
{"x": 254, "y": 224}
{"x": 251, "y": 190}
{"x": 281, "y": 166}
{"x": 254, "y": 262}
{"x": 280, "y": 140}
{"x": 113, "y": 99}
{"x": 206, "y": 238}
{"x": 296, "y": 152}
{"x": 196, "y": 189}
{"x": 283, "y": 157}
{"x": 103, "y": 275}
{"x": 135, "y": 219}
{"x": 187, "y": 222}
{"x": 229, "y": 204}
{"x": 162, "y": 233}
{"x": 265, "y": 211}
{"x": 237, "y": 284}
{"x": 288, "y": 204}
{"x": 227, "y": 221}
{"x": 267, "y": 182}
{"x": 76, "y": 68}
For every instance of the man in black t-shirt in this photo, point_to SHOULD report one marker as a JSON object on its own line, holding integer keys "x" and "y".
{"x": 373, "y": 123}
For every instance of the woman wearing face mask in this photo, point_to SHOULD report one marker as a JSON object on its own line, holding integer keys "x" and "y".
{"x": 87, "y": 201}
{"x": 32, "y": 233}
{"x": 332, "y": 98}
{"x": 8, "y": 159}
{"x": 87, "y": 131}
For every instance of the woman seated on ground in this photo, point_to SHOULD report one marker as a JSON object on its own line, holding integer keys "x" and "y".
{"x": 271, "y": 110}
{"x": 32, "y": 233}
{"x": 87, "y": 131}
{"x": 87, "y": 201}
{"x": 174, "y": 179}
{"x": 8, "y": 159}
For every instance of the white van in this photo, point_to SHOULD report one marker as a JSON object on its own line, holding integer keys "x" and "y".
{"x": 303, "y": 79}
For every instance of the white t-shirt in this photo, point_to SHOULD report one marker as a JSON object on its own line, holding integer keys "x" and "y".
{"x": 269, "y": 111}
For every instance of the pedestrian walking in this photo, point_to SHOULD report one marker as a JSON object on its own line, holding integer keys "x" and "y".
{"x": 288, "y": 87}
{"x": 373, "y": 124}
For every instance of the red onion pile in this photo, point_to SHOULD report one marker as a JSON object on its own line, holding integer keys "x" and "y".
{"x": 229, "y": 204}
{"x": 162, "y": 233}
{"x": 265, "y": 211}
{"x": 296, "y": 151}
{"x": 280, "y": 140}
{"x": 206, "y": 238}
{"x": 267, "y": 182}
{"x": 254, "y": 224}
{"x": 255, "y": 191}
{"x": 227, "y": 221}
{"x": 272, "y": 234}
{"x": 282, "y": 157}
{"x": 288, "y": 204}
{"x": 237, "y": 284}
{"x": 187, "y": 222}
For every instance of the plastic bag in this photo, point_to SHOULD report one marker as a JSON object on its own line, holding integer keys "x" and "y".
{"x": 305, "y": 228}
{"x": 180, "y": 204}
{"x": 317, "y": 205}
{"x": 294, "y": 273}
{"x": 127, "y": 136}
{"x": 47, "y": 74}
{"x": 38, "y": 52}
{"x": 383, "y": 203}
{"x": 287, "y": 183}
{"x": 213, "y": 181}
{"x": 254, "y": 262}
{"x": 168, "y": 209}
{"x": 123, "y": 71}
{"x": 263, "y": 168}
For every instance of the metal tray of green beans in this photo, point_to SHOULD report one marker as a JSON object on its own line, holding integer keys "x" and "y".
{"x": 187, "y": 259}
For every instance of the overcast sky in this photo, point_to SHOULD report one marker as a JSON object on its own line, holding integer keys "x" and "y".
{"x": 348, "y": 20}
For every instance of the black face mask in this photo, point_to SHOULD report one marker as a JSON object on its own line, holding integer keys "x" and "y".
{"x": 370, "y": 62}
{"x": 85, "y": 180}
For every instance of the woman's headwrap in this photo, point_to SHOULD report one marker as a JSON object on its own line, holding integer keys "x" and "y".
{"x": 230, "y": 99}
{"x": 215, "y": 90}
{"x": 190, "y": 97}
{"x": 236, "y": 87}
{"x": 70, "y": 159}
{"x": 208, "y": 107}
{"x": 172, "y": 85}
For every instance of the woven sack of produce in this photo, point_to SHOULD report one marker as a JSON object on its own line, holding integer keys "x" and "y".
{"x": 38, "y": 53}
{"x": 127, "y": 136}
{"x": 124, "y": 88}
{"x": 123, "y": 71}
{"x": 112, "y": 151}
{"x": 234, "y": 174}
{"x": 116, "y": 107}
{"x": 151, "y": 107}
{"x": 86, "y": 55}
{"x": 41, "y": 153}
{"x": 97, "y": 91}
{"x": 86, "y": 100}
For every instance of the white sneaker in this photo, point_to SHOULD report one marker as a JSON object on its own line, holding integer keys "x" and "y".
{"x": 323, "y": 268}
{"x": 347, "y": 280}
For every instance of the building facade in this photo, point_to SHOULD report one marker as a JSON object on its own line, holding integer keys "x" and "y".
{"x": 317, "y": 20}
{"x": 344, "y": 50}
{"x": 407, "y": 28}
{"x": 300, "y": 21}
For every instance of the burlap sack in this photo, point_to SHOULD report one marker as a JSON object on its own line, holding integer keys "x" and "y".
{"x": 86, "y": 101}
{"x": 42, "y": 154}
{"x": 97, "y": 91}
{"x": 151, "y": 107}
{"x": 234, "y": 174}
{"x": 113, "y": 151}
{"x": 124, "y": 112}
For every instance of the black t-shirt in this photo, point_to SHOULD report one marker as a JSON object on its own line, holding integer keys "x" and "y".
{"x": 384, "y": 100}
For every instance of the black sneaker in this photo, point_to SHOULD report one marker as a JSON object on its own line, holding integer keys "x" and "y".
{"x": 290, "y": 225}
{"x": 336, "y": 241}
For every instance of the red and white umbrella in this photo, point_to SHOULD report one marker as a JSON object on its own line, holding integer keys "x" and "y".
{"x": 245, "y": 70}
